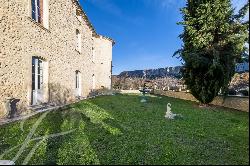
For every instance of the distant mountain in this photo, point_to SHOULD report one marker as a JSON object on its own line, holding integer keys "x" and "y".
{"x": 153, "y": 73}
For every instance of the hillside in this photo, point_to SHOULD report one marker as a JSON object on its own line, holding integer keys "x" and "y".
{"x": 169, "y": 77}
{"x": 153, "y": 73}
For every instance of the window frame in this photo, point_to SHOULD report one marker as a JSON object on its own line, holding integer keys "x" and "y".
{"x": 37, "y": 11}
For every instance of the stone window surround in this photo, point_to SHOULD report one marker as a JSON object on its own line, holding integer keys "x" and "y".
{"x": 45, "y": 12}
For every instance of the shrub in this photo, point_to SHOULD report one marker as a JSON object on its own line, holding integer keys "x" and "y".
{"x": 231, "y": 92}
{"x": 103, "y": 91}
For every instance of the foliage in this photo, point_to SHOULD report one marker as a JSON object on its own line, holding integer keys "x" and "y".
{"x": 214, "y": 40}
{"x": 232, "y": 92}
{"x": 136, "y": 83}
{"x": 121, "y": 130}
{"x": 102, "y": 91}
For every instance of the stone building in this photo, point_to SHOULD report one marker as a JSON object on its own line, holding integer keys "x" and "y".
{"x": 50, "y": 53}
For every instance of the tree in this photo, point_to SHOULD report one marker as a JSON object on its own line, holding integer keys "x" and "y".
{"x": 214, "y": 40}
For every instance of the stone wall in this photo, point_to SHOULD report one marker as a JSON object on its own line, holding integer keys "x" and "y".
{"x": 21, "y": 38}
{"x": 103, "y": 62}
{"x": 130, "y": 91}
{"x": 235, "y": 102}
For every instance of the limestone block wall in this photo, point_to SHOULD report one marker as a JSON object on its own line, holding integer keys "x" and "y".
{"x": 238, "y": 103}
{"x": 103, "y": 61}
{"x": 21, "y": 38}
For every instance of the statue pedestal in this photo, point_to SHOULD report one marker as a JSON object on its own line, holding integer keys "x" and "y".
{"x": 11, "y": 107}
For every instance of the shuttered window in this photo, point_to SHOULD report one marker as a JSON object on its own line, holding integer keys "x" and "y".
{"x": 37, "y": 10}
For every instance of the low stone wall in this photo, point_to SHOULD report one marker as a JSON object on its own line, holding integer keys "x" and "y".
{"x": 235, "y": 102}
{"x": 130, "y": 91}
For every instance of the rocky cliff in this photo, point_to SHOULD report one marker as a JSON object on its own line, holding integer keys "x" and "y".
{"x": 153, "y": 73}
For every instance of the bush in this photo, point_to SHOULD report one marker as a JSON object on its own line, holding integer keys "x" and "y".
{"x": 103, "y": 91}
{"x": 231, "y": 92}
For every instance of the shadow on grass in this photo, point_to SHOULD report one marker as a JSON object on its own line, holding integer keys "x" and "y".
{"x": 53, "y": 144}
{"x": 76, "y": 148}
{"x": 73, "y": 148}
{"x": 121, "y": 130}
{"x": 133, "y": 146}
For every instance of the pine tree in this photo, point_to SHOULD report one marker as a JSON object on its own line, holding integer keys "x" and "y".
{"x": 214, "y": 40}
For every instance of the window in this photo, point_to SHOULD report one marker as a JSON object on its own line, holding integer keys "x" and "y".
{"x": 33, "y": 73}
{"x": 39, "y": 81}
{"x": 40, "y": 74}
{"x": 40, "y": 12}
{"x": 78, "y": 83}
{"x": 78, "y": 40}
{"x": 111, "y": 68}
{"x": 37, "y": 73}
{"x": 93, "y": 81}
{"x": 37, "y": 10}
{"x": 77, "y": 79}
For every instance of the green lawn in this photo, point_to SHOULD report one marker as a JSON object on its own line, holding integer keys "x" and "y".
{"x": 121, "y": 130}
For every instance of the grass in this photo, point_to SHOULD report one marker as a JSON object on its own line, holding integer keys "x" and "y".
{"x": 121, "y": 130}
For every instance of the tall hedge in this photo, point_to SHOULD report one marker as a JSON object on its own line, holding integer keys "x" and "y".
{"x": 213, "y": 41}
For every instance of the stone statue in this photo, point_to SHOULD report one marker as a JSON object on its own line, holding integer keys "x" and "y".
{"x": 169, "y": 114}
{"x": 11, "y": 107}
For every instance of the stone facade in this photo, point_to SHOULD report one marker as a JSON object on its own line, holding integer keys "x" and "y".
{"x": 54, "y": 42}
{"x": 103, "y": 62}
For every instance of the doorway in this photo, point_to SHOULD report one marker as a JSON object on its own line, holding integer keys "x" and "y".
{"x": 78, "y": 87}
{"x": 37, "y": 81}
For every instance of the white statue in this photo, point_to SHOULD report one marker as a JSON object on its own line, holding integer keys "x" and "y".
{"x": 169, "y": 114}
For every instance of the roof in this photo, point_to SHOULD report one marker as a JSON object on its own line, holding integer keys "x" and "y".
{"x": 85, "y": 17}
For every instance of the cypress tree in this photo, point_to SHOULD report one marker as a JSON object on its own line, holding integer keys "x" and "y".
{"x": 214, "y": 40}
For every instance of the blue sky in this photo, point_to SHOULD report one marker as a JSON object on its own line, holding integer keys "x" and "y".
{"x": 145, "y": 31}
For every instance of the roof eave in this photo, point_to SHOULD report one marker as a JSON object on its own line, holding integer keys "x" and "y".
{"x": 90, "y": 25}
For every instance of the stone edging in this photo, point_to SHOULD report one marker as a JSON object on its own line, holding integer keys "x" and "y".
{"x": 234, "y": 102}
